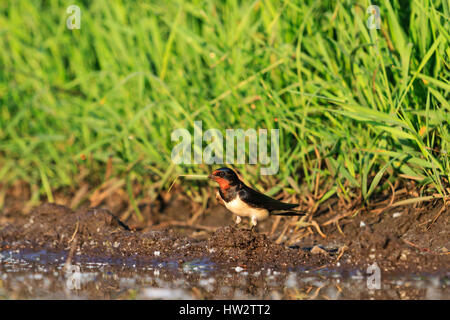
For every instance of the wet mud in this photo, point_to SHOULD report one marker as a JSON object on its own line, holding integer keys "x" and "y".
{"x": 56, "y": 252}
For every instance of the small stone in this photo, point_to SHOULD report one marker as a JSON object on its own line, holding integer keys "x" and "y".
{"x": 404, "y": 255}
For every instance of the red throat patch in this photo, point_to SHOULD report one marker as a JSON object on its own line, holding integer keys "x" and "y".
{"x": 223, "y": 183}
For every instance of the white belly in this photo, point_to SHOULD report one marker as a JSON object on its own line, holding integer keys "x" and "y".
{"x": 240, "y": 208}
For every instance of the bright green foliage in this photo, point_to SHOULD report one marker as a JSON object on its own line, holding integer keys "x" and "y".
{"x": 374, "y": 103}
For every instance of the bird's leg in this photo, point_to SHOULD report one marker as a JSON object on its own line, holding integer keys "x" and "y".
{"x": 238, "y": 220}
{"x": 253, "y": 223}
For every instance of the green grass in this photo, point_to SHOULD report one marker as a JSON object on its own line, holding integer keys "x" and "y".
{"x": 356, "y": 107}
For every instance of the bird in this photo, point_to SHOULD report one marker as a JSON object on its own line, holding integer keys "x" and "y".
{"x": 244, "y": 201}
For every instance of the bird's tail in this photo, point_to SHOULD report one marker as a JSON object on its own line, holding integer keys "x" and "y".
{"x": 288, "y": 213}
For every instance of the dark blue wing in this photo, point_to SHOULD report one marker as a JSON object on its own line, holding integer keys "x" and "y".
{"x": 259, "y": 200}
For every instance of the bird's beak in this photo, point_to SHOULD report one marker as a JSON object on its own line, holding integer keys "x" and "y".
{"x": 212, "y": 177}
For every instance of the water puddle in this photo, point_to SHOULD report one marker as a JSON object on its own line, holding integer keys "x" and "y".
{"x": 27, "y": 274}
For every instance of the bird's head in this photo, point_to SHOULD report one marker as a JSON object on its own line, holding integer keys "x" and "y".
{"x": 225, "y": 177}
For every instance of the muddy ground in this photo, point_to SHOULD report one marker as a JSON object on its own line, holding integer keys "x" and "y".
{"x": 398, "y": 239}
{"x": 97, "y": 232}
{"x": 412, "y": 239}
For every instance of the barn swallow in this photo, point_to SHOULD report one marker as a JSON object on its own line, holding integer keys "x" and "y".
{"x": 244, "y": 201}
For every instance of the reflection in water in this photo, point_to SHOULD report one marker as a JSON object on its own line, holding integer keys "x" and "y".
{"x": 30, "y": 274}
